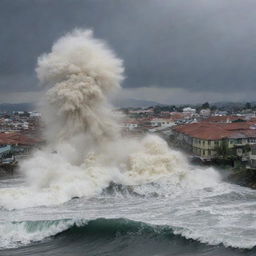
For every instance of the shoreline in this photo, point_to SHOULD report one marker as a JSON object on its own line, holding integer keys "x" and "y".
{"x": 244, "y": 177}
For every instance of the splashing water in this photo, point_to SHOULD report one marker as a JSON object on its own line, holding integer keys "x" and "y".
{"x": 82, "y": 131}
{"x": 82, "y": 71}
{"x": 111, "y": 176}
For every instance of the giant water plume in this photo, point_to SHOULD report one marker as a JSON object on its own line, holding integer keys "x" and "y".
{"x": 82, "y": 71}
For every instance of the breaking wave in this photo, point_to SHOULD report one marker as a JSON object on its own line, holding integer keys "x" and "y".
{"x": 111, "y": 230}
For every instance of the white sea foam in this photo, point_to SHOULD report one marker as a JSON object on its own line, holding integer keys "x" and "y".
{"x": 15, "y": 234}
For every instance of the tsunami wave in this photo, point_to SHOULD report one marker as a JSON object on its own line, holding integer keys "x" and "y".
{"x": 17, "y": 234}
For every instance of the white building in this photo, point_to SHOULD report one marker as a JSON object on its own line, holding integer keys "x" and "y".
{"x": 205, "y": 112}
{"x": 130, "y": 125}
{"x": 189, "y": 110}
{"x": 162, "y": 122}
{"x": 34, "y": 114}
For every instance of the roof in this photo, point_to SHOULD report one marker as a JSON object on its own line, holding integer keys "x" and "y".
{"x": 161, "y": 119}
{"x": 217, "y": 131}
{"x": 223, "y": 119}
{"x": 14, "y": 138}
{"x": 178, "y": 115}
{"x": 130, "y": 121}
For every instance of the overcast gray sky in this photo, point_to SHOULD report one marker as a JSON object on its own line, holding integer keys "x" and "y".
{"x": 174, "y": 51}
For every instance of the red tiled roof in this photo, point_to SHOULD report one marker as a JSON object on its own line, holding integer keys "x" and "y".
{"x": 237, "y": 126}
{"x": 17, "y": 138}
{"x": 253, "y": 119}
{"x": 221, "y": 119}
{"x": 177, "y": 115}
{"x": 217, "y": 131}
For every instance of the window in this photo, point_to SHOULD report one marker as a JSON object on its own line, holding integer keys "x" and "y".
{"x": 209, "y": 142}
{"x": 253, "y": 163}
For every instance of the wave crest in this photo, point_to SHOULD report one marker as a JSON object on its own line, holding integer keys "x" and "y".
{"x": 24, "y": 233}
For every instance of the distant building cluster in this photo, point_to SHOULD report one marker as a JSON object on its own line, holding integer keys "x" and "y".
{"x": 203, "y": 133}
{"x": 148, "y": 120}
{"x": 19, "y": 121}
{"x": 20, "y": 133}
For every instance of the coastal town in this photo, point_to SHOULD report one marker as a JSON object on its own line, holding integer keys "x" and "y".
{"x": 208, "y": 135}
{"x": 20, "y": 134}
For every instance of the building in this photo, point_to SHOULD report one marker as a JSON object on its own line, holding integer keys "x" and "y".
{"x": 205, "y": 112}
{"x": 189, "y": 110}
{"x": 214, "y": 140}
{"x": 35, "y": 114}
{"x": 162, "y": 122}
{"x": 251, "y": 164}
{"x": 130, "y": 124}
{"x": 224, "y": 119}
{"x": 18, "y": 143}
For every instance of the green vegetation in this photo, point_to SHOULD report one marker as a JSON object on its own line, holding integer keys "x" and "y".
{"x": 224, "y": 152}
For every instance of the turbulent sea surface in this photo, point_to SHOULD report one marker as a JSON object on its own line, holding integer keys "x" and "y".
{"x": 151, "y": 219}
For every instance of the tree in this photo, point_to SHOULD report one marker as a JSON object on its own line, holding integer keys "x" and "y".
{"x": 213, "y": 108}
{"x": 248, "y": 105}
{"x": 222, "y": 149}
{"x": 157, "y": 109}
{"x": 205, "y": 105}
{"x": 224, "y": 152}
{"x": 125, "y": 111}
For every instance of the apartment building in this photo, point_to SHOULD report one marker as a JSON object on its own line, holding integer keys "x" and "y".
{"x": 206, "y": 140}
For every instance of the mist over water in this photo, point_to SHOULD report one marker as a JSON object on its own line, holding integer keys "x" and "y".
{"x": 109, "y": 176}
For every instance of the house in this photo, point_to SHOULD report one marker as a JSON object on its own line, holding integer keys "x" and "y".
{"x": 213, "y": 140}
{"x": 252, "y": 158}
{"x": 35, "y": 114}
{"x": 224, "y": 119}
{"x": 130, "y": 124}
{"x": 189, "y": 110}
{"x": 205, "y": 112}
{"x": 19, "y": 143}
{"x": 162, "y": 122}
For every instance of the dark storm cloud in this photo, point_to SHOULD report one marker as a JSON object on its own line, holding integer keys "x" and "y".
{"x": 197, "y": 45}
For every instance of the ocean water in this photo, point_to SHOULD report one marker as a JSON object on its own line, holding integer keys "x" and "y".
{"x": 158, "y": 218}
